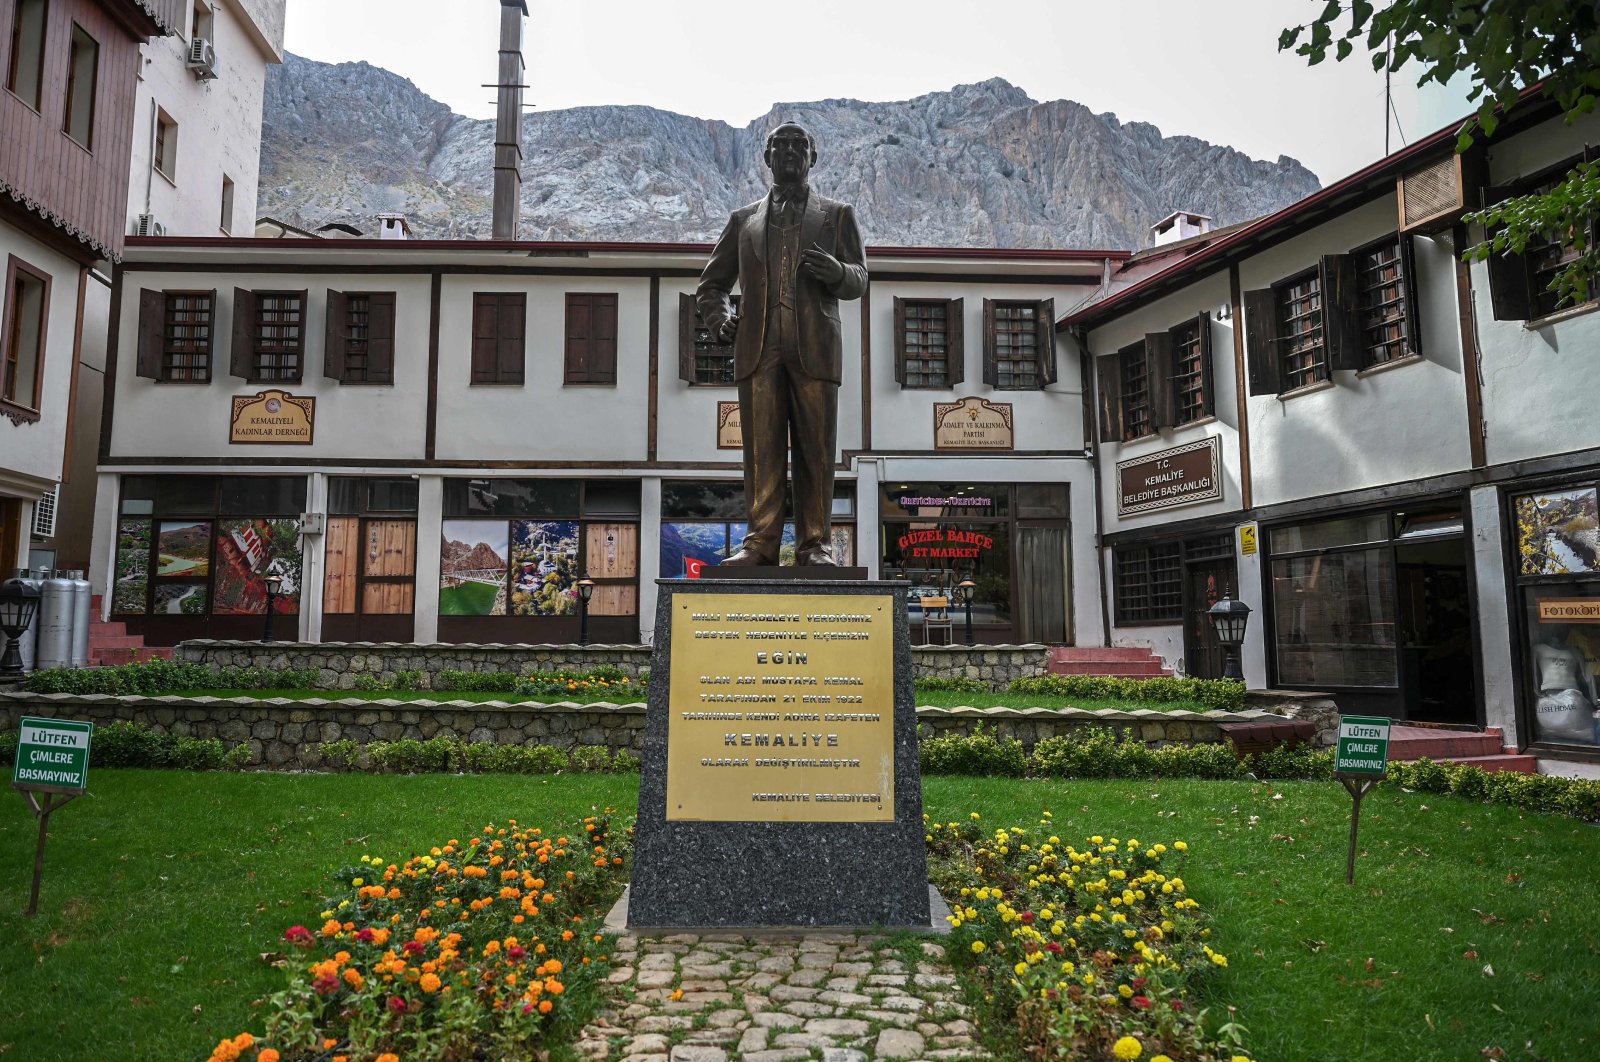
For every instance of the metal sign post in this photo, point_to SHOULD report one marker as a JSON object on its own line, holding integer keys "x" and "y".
{"x": 1362, "y": 761}
{"x": 52, "y": 769}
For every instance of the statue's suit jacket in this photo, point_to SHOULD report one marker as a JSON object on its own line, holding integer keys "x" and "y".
{"x": 741, "y": 255}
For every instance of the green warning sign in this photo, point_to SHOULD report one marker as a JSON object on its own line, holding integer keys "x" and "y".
{"x": 52, "y": 754}
{"x": 1363, "y": 746}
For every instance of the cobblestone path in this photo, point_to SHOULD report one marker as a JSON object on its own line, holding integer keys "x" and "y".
{"x": 839, "y": 997}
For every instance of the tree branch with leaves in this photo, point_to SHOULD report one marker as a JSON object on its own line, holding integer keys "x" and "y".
{"x": 1503, "y": 47}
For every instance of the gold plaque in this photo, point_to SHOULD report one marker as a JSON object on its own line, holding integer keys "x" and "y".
{"x": 973, "y": 424}
{"x": 272, "y": 417}
{"x": 781, "y": 708}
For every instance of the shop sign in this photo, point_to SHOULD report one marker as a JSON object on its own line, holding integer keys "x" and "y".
{"x": 782, "y": 708}
{"x": 272, "y": 418}
{"x": 1363, "y": 746}
{"x": 1247, "y": 540}
{"x": 973, "y": 424}
{"x": 730, "y": 430}
{"x": 1573, "y": 610}
{"x": 1179, "y": 476}
{"x": 945, "y": 543}
{"x": 52, "y": 754}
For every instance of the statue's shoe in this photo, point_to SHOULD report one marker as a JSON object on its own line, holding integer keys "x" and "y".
{"x": 815, "y": 557}
{"x": 749, "y": 558}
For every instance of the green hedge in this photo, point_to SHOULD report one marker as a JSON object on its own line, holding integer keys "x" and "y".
{"x": 479, "y": 681}
{"x": 167, "y": 676}
{"x": 958, "y": 684}
{"x": 1218, "y": 694}
{"x": 441, "y": 754}
{"x": 1098, "y": 752}
{"x": 1578, "y": 797}
{"x": 123, "y": 744}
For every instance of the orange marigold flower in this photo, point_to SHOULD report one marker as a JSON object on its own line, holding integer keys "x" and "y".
{"x": 430, "y": 982}
{"x": 553, "y": 966}
{"x": 353, "y": 978}
{"x": 244, "y": 1041}
{"x": 268, "y": 1054}
{"x": 328, "y": 1043}
{"x": 330, "y": 927}
{"x": 388, "y": 1056}
{"x": 545, "y": 1006}
{"x": 566, "y": 934}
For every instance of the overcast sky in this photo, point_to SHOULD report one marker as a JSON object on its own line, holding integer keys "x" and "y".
{"x": 1206, "y": 69}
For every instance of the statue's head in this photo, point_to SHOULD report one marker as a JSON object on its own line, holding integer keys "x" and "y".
{"x": 791, "y": 152}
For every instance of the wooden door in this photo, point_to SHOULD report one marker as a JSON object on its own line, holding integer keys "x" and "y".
{"x": 1204, "y": 584}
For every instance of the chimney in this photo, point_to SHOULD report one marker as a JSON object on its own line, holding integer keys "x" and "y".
{"x": 1179, "y": 225}
{"x": 508, "y": 122}
{"x": 393, "y": 227}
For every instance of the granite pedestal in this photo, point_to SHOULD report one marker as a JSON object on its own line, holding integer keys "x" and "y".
{"x": 691, "y": 873}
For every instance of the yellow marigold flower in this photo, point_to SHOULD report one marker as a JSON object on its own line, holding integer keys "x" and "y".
{"x": 1161, "y": 1058}
{"x": 978, "y": 947}
{"x": 358, "y": 882}
{"x": 1127, "y": 1049}
{"x": 1182, "y": 847}
{"x": 677, "y": 994}
{"x": 1125, "y": 992}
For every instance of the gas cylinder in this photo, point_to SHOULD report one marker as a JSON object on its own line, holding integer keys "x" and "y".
{"x": 81, "y": 594}
{"x": 54, "y": 645}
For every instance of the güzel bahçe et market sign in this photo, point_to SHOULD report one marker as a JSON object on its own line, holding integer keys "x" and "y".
{"x": 1179, "y": 476}
{"x": 272, "y": 417}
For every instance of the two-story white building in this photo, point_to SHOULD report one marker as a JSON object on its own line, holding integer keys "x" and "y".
{"x": 436, "y": 439}
{"x": 1392, "y": 456}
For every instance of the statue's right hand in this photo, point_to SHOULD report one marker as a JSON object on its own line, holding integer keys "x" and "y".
{"x": 728, "y": 329}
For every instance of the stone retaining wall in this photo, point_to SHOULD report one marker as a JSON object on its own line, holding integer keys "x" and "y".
{"x": 341, "y": 662}
{"x": 284, "y": 733}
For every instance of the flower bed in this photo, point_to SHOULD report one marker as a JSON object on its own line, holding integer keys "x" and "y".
{"x": 486, "y": 950}
{"x": 1090, "y": 953}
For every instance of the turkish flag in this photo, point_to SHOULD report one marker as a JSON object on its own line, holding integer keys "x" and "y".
{"x": 692, "y": 568}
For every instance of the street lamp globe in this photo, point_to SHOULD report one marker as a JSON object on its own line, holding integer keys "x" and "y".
{"x": 18, "y": 603}
{"x": 1229, "y": 617}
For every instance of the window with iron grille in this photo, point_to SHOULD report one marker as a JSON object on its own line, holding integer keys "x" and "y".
{"x": 702, "y": 360}
{"x": 925, "y": 340}
{"x": 1545, "y": 260}
{"x": 279, "y": 336}
{"x": 1135, "y": 393}
{"x": 1519, "y": 284}
{"x": 1189, "y": 373}
{"x": 1300, "y": 329}
{"x": 186, "y": 336}
{"x": 1149, "y": 583}
{"x": 1381, "y": 283}
{"x": 1016, "y": 346}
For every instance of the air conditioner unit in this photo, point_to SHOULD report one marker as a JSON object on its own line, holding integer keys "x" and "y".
{"x": 149, "y": 225}
{"x": 202, "y": 59}
{"x": 44, "y": 513}
{"x": 1435, "y": 196}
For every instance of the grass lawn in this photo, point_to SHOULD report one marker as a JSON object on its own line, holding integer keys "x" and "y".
{"x": 163, "y": 889}
{"x": 467, "y": 599}
{"x": 625, "y": 694}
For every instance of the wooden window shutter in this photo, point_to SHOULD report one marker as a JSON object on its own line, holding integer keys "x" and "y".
{"x": 336, "y": 340}
{"x": 580, "y": 327}
{"x": 1208, "y": 394}
{"x": 485, "y": 337}
{"x": 1108, "y": 372}
{"x": 1409, "y": 293}
{"x": 955, "y": 329}
{"x": 991, "y": 371}
{"x": 1510, "y": 295}
{"x": 1045, "y": 322}
{"x": 900, "y": 340}
{"x": 1261, "y": 342}
{"x": 603, "y": 343}
{"x": 1341, "y": 311}
{"x": 152, "y": 332}
{"x": 380, "y": 337}
{"x": 1158, "y": 376}
{"x": 687, "y": 309}
{"x": 511, "y": 319}
{"x": 242, "y": 357}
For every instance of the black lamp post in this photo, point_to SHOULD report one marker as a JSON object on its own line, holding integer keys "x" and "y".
{"x": 274, "y": 582}
{"x": 1230, "y": 618}
{"x": 966, "y": 587}
{"x": 18, "y": 603}
{"x": 585, "y": 592}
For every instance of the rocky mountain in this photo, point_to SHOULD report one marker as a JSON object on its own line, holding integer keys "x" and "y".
{"x": 461, "y": 557}
{"x": 978, "y": 166}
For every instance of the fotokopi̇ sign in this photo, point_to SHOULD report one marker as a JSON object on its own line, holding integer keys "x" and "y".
{"x": 782, "y": 709}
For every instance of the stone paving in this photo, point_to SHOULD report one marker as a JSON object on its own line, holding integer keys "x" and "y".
{"x": 839, "y": 997}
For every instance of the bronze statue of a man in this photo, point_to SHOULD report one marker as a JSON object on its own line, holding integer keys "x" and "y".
{"x": 794, "y": 255}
